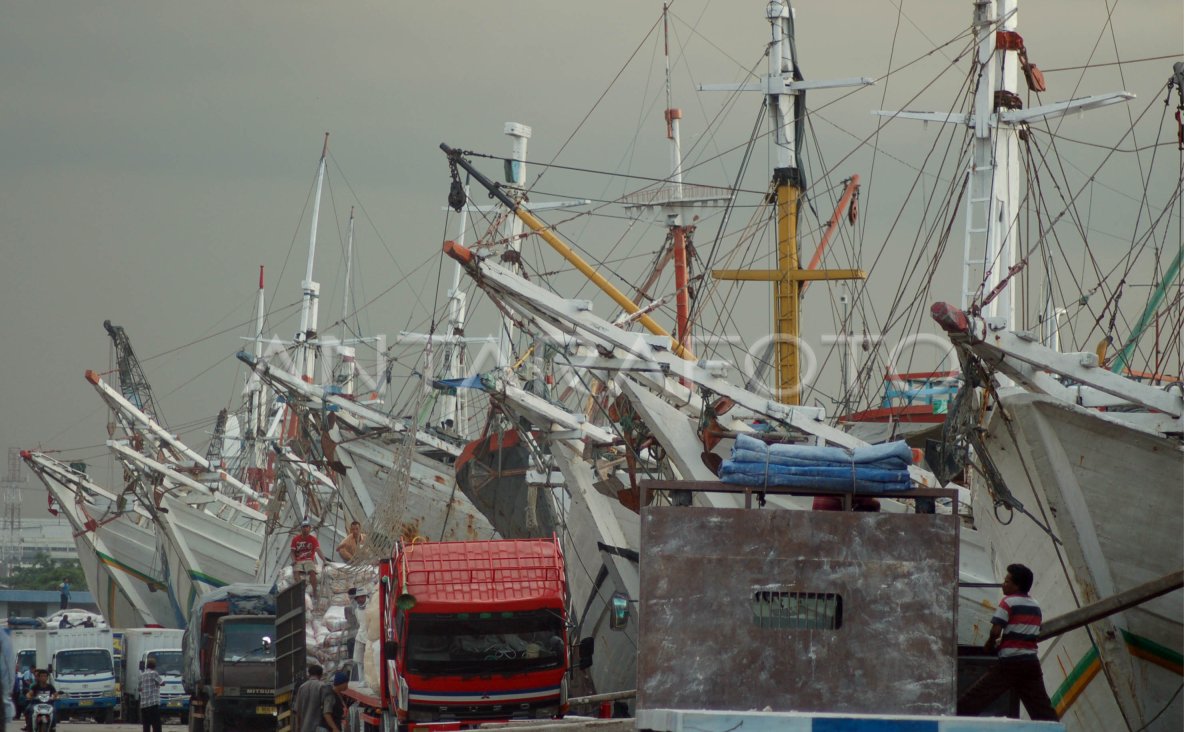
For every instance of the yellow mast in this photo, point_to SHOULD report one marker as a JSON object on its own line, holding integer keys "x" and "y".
{"x": 547, "y": 234}
{"x": 787, "y": 281}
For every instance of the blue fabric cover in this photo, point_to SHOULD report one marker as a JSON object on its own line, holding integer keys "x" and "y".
{"x": 872, "y": 467}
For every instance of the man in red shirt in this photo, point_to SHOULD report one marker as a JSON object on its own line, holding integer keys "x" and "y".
{"x": 305, "y": 550}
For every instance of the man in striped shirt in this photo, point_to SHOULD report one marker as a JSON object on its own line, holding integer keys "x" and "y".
{"x": 1016, "y": 625}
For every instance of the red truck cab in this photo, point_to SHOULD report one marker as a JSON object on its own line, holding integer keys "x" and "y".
{"x": 472, "y": 632}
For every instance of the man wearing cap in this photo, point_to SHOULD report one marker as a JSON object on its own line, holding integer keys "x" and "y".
{"x": 305, "y": 550}
{"x": 335, "y": 717}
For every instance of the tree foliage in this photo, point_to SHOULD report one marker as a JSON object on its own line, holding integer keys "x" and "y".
{"x": 44, "y": 573}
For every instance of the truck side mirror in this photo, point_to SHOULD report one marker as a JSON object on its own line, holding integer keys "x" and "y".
{"x": 391, "y": 650}
{"x": 587, "y": 648}
{"x": 618, "y": 611}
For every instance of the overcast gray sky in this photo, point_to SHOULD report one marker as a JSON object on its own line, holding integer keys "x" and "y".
{"x": 155, "y": 154}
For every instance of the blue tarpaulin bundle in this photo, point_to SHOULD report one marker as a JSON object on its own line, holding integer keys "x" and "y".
{"x": 869, "y": 468}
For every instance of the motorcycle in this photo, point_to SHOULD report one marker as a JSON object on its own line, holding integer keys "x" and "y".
{"x": 43, "y": 712}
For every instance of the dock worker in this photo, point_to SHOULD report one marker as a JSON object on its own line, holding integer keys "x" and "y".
{"x": 305, "y": 550}
{"x": 1016, "y": 624}
{"x": 335, "y": 718}
{"x": 349, "y": 546}
{"x": 313, "y": 703}
{"x": 149, "y": 686}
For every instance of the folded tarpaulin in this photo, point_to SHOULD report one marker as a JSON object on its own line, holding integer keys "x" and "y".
{"x": 815, "y": 471}
{"x": 847, "y": 484}
{"x": 887, "y": 454}
{"x": 869, "y": 468}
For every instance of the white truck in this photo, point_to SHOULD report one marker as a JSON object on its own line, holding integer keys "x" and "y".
{"x": 165, "y": 646}
{"x": 25, "y": 645}
{"x": 81, "y": 668}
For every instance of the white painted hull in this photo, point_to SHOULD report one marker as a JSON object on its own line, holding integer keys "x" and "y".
{"x": 1114, "y": 495}
{"x": 207, "y": 551}
{"x": 433, "y": 507}
{"x": 120, "y": 561}
{"x": 594, "y": 574}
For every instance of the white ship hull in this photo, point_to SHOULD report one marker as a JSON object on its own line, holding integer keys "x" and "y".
{"x": 433, "y": 508}
{"x": 120, "y": 560}
{"x": 1113, "y": 496}
{"x": 207, "y": 551}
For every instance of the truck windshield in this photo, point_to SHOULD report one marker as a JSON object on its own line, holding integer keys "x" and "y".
{"x": 244, "y": 642}
{"x": 170, "y": 663}
{"x": 82, "y": 663}
{"x": 484, "y": 643}
{"x": 25, "y": 660}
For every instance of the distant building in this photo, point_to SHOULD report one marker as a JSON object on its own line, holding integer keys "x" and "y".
{"x": 34, "y": 536}
{"x": 41, "y": 603}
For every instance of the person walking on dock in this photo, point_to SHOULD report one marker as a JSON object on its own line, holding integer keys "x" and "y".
{"x": 313, "y": 703}
{"x": 305, "y": 550}
{"x": 64, "y": 594}
{"x": 1016, "y": 625}
{"x": 148, "y": 687}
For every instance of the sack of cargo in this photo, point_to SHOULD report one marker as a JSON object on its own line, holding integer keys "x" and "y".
{"x": 371, "y": 667}
{"x": 372, "y": 618}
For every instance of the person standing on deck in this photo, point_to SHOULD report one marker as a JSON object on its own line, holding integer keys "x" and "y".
{"x": 305, "y": 550}
{"x": 1016, "y": 625}
{"x": 349, "y": 546}
{"x": 64, "y": 594}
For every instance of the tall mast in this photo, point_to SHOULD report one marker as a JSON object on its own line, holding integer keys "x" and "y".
{"x": 786, "y": 91}
{"x": 678, "y": 228}
{"x": 349, "y": 271}
{"x": 514, "y": 176}
{"x": 996, "y": 122}
{"x": 310, "y": 290}
{"x": 257, "y": 388}
{"x": 993, "y": 187}
{"x": 453, "y": 412}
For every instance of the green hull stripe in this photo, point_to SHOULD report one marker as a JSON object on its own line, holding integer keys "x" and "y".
{"x": 1081, "y": 669}
{"x": 1149, "y": 647}
{"x": 206, "y": 579}
{"x": 109, "y": 561}
{"x": 1140, "y": 646}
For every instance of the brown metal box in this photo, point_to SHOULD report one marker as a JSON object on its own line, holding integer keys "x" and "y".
{"x": 797, "y": 611}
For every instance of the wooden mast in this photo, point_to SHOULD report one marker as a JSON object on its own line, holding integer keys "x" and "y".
{"x": 785, "y": 90}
